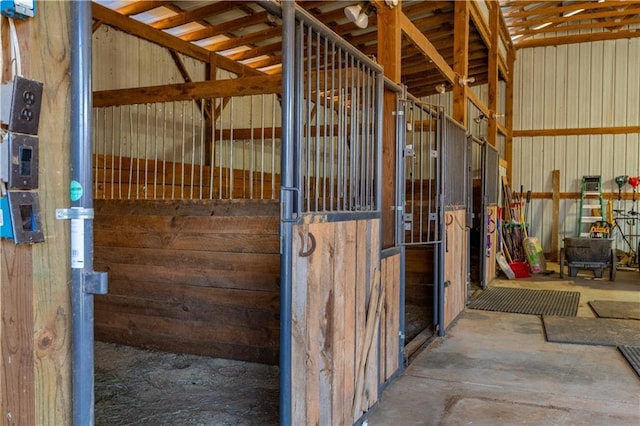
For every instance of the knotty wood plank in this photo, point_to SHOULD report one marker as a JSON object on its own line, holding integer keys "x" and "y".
{"x": 386, "y": 306}
{"x": 373, "y": 244}
{"x": 327, "y": 292}
{"x": 248, "y": 299}
{"x": 268, "y": 263}
{"x": 616, "y": 130}
{"x": 190, "y": 224}
{"x": 232, "y": 243}
{"x": 195, "y": 310}
{"x": 337, "y": 314}
{"x": 155, "y": 339}
{"x": 490, "y": 261}
{"x": 299, "y": 350}
{"x": 347, "y": 237}
{"x": 187, "y": 207}
{"x": 315, "y": 308}
{"x": 455, "y": 267}
{"x": 201, "y": 276}
{"x": 363, "y": 277}
{"x": 393, "y": 317}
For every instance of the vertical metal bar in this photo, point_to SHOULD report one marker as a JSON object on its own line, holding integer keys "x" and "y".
{"x": 262, "y": 149}
{"x": 287, "y": 204}
{"x": 307, "y": 143}
{"x": 316, "y": 139}
{"x": 220, "y": 152}
{"x": 273, "y": 146}
{"x": 325, "y": 125}
{"x": 193, "y": 147}
{"x": 340, "y": 137}
{"x": 201, "y": 124}
{"x": 442, "y": 174}
{"x": 331, "y": 130}
{"x": 146, "y": 149}
{"x": 378, "y": 140}
{"x": 82, "y": 273}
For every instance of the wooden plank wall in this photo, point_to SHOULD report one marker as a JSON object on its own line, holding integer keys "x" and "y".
{"x": 190, "y": 276}
{"x": 490, "y": 260}
{"x": 35, "y": 380}
{"x": 336, "y": 318}
{"x": 390, "y": 317}
{"x": 455, "y": 265}
{"x": 419, "y": 275}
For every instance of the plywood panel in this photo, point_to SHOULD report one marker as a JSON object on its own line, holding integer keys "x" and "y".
{"x": 455, "y": 265}
{"x": 391, "y": 272}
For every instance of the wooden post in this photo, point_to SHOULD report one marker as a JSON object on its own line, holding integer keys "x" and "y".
{"x": 460, "y": 60}
{"x": 389, "y": 56}
{"x": 508, "y": 113}
{"x": 35, "y": 383}
{"x": 555, "y": 226}
{"x": 494, "y": 21}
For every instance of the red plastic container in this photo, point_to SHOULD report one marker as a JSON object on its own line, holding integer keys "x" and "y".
{"x": 520, "y": 268}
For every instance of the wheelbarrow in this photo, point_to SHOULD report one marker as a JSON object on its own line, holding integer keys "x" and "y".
{"x": 588, "y": 253}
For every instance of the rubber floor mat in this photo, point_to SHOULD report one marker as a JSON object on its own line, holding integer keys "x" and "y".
{"x": 592, "y": 331}
{"x": 527, "y": 301}
{"x": 632, "y": 355}
{"x": 614, "y": 309}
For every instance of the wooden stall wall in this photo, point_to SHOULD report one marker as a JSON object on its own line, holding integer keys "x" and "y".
{"x": 197, "y": 276}
{"x": 35, "y": 380}
{"x": 490, "y": 256}
{"x": 390, "y": 317}
{"x": 337, "y": 305}
{"x": 455, "y": 265}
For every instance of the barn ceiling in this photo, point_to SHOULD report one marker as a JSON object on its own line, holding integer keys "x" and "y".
{"x": 244, "y": 32}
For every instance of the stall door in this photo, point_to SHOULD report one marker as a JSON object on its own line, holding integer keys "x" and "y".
{"x": 490, "y": 181}
{"x": 419, "y": 213}
{"x": 331, "y": 218}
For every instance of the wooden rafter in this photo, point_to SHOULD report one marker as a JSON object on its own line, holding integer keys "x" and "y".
{"x": 193, "y": 15}
{"x": 226, "y": 27}
{"x": 246, "y": 39}
{"x": 145, "y": 32}
{"x": 134, "y": 8}
{"x": 578, "y": 38}
{"x": 189, "y": 91}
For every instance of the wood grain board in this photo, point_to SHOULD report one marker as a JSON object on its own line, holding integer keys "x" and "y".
{"x": 455, "y": 265}
{"x": 190, "y": 276}
{"x": 490, "y": 260}
{"x": 332, "y": 294}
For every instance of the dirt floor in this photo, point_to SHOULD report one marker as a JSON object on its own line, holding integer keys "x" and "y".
{"x": 141, "y": 387}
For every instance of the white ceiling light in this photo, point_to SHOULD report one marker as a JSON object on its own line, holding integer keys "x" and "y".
{"x": 357, "y": 15}
{"x": 539, "y": 27}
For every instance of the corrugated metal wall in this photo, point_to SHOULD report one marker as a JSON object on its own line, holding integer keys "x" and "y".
{"x": 575, "y": 86}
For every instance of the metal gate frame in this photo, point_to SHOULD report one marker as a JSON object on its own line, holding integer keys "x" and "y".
{"x": 437, "y": 215}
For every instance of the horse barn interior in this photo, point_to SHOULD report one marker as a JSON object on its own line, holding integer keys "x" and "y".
{"x": 276, "y": 206}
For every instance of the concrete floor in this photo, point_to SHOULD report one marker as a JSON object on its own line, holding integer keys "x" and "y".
{"x": 497, "y": 369}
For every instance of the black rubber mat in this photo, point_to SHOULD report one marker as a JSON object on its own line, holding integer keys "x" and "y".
{"x": 527, "y": 301}
{"x": 592, "y": 331}
{"x": 613, "y": 309}
{"x": 632, "y": 355}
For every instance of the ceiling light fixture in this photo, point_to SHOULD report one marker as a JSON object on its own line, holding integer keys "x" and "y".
{"x": 358, "y": 15}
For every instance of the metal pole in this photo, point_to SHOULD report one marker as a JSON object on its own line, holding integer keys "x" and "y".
{"x": 287, "y": 201}
{"x": 84, "y": 282}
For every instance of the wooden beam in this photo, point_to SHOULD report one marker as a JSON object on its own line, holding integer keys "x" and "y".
{"x": 461, "y": 60}
{"x": 478, "y": 103}
{"x": 479, "y": 23}
{"x": 236, "y": 24}
{"x": 136, "y": 7}
{"x": 577, "y": 17}
{"x": 193, "y": 15}
{"x": 189, "y": 91}
{"x": 508, "y": 111}
{"x": 494, "y": 20}
{"x": 145, "y": 32}
{"x": 425, "y": 46}
{"x": 555, "y": 225}
{"x": 246, "y": 39}
{"x": 578, "y": 38}
{"x": 620, "y": 130}
{"x": 577, "y": 27}
{"x": 389, "y": 54}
